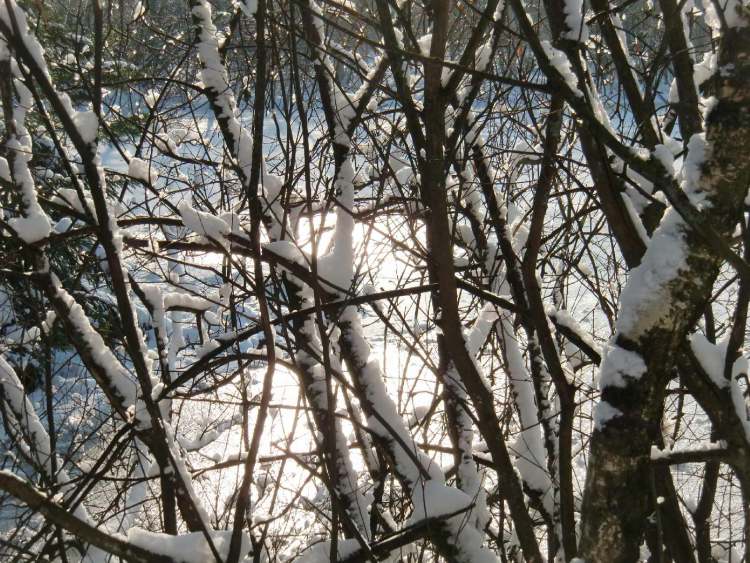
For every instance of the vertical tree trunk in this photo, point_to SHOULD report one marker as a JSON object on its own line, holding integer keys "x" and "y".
{"x": 660, "y": 304}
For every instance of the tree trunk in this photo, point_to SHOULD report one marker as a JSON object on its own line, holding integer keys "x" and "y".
{"x": 660, "y": 304}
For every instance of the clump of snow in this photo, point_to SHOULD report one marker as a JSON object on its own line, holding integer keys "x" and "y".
{"x": 599, "y": 110}
{"x": 469, "y": 479}
{"x": 481, "y": 328}
{"x": 425, "y": 44}
{"x": 141, "y": 170}
{"x": 233, "y": 221}
{"x": 345, "y": 110}
{"x": 482, "y": 55}
{"x": 711, "y": 357}
{"x": 385, "y": 420}
{"x": 561, "y": 64}
{"x": 287, "y": 250}
{"x": 399, "y": 38}
{"x": 665, "y": 156}
{"x": 31, "y": 228}
{"x": 338, "y": 265}
{"x": 603, "y": 413}
{"x": 87, "y": 124}
{"x": 138, "y": 11}
{"x": 725, "y": 553}
{"x": 18, "y": 22}
{"x": 644, "y": 301}
{"x": 564, "y": 318}
{"x": 70, "y": 198}
{"x": 432, "y": 499}
{"x": 528, "y": 448}
{"x": 14, "y": 396}
{"x": 202, "y": 223}
{"x": 658, "y": 454}
{"x": 620, "y": 366}
{"x": 206, "y": 349}
{"x": 117, "y": 377}
{"x": 212, "y": 318}
{"x": 189, "y": 548}
{"x": 627, "y": 199}
{"x": 692, "y": 168}
{"x": 175, "y": 300}
{"x": 216, "y": 80}
{"x": 708, "y": 106}
{"x": 151, "y": 97}
{"x": 703, "y": 70}
{"x": 577, "y": 28}
{"x": 321, "y": 552}
{"x": 34, "y": 224}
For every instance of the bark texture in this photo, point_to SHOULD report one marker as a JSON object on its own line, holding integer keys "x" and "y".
{"x": 616, "y": 501}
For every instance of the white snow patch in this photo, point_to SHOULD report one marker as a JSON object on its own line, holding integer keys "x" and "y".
{"x": 425, "y": 43}
{"x": 603, "y": 413}
{"x": 574, "y": 21}
{"x": 562, "y": 65}
{"x": 189, "y": 548}
{"x": 434, "y": 499}
{"x": 644, "y": 301}
{"x": 141, "y": 170}
{"x": 619, "y": 366}
{"x": 87, "y": 124}
{"x": 321, "y": 552}
{"x": 711, "y": 357}
{"x": 202, "y": 223}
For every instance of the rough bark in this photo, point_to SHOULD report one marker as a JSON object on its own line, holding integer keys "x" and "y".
{"x": 615, "y": 505}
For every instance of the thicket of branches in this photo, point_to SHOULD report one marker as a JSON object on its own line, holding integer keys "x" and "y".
{"x": 364, "y": 280}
